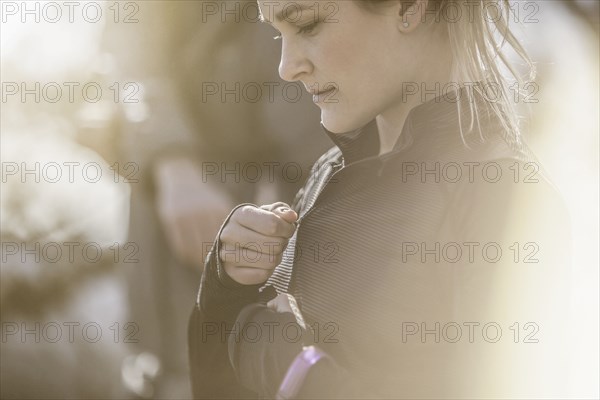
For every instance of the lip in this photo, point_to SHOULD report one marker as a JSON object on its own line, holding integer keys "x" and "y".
{"x": 318, "y": 96}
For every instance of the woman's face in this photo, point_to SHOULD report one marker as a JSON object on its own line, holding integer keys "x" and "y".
{"x": 362, "y": 53}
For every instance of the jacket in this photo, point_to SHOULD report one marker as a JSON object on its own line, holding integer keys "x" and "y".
{"x": 428, "y": 272}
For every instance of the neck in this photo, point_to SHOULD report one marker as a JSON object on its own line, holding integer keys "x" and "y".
{"x": 389, "y": 125}
{"x": 391, "y": 121}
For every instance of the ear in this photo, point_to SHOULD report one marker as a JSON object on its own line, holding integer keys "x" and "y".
{"x": 411, "y": 14}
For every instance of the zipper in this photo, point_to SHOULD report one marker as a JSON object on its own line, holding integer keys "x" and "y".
{"x": 336, "y": 167}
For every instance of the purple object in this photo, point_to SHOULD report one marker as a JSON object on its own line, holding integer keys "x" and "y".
{"x": 298, "y": 370}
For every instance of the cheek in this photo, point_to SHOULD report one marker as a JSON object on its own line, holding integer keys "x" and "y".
{"x": 380, "y": 70}
{"x": 367, "y": 60}
{"x": 336, "y": 61}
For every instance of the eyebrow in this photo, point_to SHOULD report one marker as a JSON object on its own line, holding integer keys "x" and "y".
{"x": 279, "y": 16}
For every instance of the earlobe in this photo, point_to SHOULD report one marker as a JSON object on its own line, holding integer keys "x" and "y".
{"x": 410, "y": 17}
{"x": 408, "y": 21}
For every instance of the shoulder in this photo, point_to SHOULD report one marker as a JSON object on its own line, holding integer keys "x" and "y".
{"x": 509, "y": 200}
{"x": 494, "y": 188}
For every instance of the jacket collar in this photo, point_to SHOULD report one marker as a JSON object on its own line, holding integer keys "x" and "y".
{"x": 433, "y": 125}
{"x": 357, "y": 144}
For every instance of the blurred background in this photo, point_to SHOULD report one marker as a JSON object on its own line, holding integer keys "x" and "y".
{"x": 129, "y": 129}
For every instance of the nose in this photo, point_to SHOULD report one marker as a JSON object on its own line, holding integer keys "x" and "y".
{"x": 294, "y": 63}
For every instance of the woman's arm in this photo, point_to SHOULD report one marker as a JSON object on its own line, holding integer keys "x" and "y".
{"x": 269, "y": 356}
{"x": 263, "y": 348}
{"x": 228, "y": 286}
{"x": 525, "y": 292}
{"x": 216, "y": 315}
{"x": 219, "y": 301}
{"x": 211, "y": 321}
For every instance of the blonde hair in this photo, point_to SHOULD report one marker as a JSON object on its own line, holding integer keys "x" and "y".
{"x": 479, "y": 56}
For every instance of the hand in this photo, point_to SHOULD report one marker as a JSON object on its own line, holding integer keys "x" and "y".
{"x": 281, "y": 303}
{"x": 190, "y": 210}
{"x": 253, "y": 241}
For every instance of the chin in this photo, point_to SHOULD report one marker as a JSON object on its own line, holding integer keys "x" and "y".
{"x": 339, "y": 123}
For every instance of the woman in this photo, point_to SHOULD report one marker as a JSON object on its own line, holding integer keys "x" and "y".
{"x": 424, "y": 254}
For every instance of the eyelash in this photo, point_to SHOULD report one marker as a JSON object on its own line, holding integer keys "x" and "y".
{"x": 307, "y": 29}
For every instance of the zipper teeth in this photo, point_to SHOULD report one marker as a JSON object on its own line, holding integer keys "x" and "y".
{"x": 335, "y": 168}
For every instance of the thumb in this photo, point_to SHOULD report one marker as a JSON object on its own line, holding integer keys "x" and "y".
{"x": 286, "y": 213}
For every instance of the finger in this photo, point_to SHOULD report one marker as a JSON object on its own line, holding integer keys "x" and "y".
{"x": 282, "y": 210}
{"x": 234, "y": 234}
{"x": 248, "y": 276}
{"x": 271, "y": 207}
{"x": 286, "y": 213}
{"x": 249, "y": 257}
{"x": 275, "y": 305}
{"x": 280, "y": 303}
{"x": 264, "y": 222}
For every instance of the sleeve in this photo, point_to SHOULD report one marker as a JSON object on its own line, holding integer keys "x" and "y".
{"x": 519, "y": 288}
{"x": 219, "y": 301}
{"x": 266, "y": 342}
{"x": 238, "y": 347}
{"x": 227, "y": 360}
{"x": 263, "y": 347}
{"x": 264, "y": 353}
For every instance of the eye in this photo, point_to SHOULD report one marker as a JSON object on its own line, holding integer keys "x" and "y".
{"x": 308, "y": 29}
